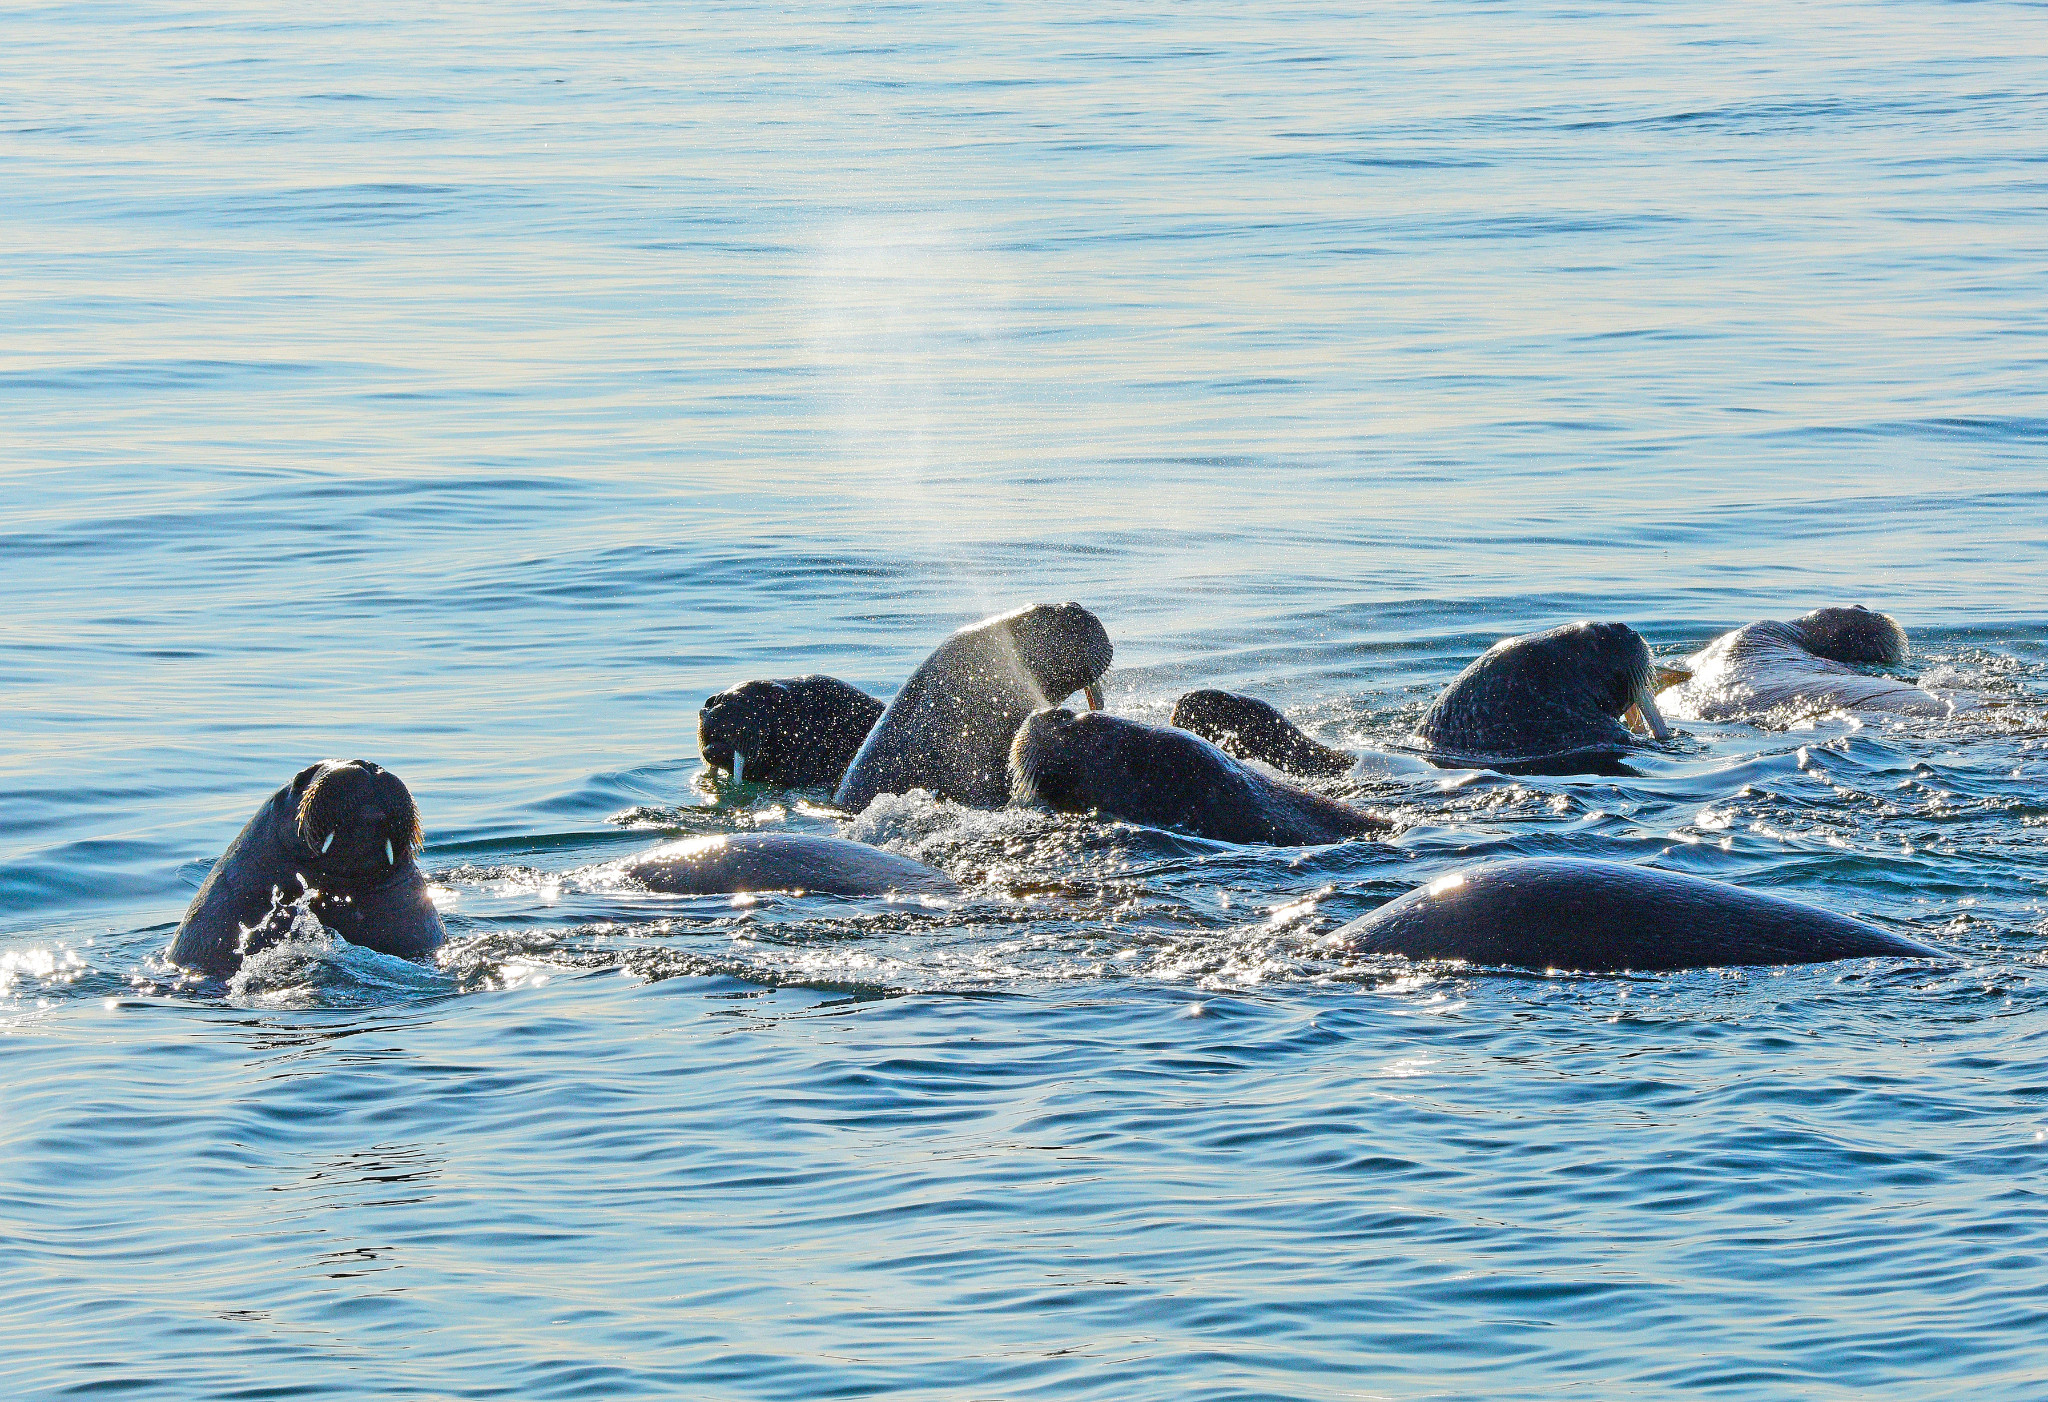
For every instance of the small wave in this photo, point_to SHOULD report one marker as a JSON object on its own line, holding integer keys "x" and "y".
{"x": 312, "y": 967}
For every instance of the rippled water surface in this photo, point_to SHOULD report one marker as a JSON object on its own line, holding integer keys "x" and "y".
{"x": 477, "y": 390}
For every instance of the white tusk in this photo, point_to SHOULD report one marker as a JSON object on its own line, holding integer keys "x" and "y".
{"x": 1093, "y": 693}
{"x": 387, "y": 853}
{"x": 327, "y": 844}
{"x": 1647, "y": 704}
{"x": 739, "y": 767}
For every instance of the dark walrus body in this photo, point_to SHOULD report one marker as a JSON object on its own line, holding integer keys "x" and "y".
{"x": 1248, "y": 728}
{"x": 780, "y": 861}
{"x": 1781, "y": 672}
{"x": 347, "y": 831}
{"x": 1599, "y": 917}
{"x": 1548, "y": 701}
{"x": 1167, "y": 778}
{"x": 948, "y": 731}
{"x": 799, "y": 732}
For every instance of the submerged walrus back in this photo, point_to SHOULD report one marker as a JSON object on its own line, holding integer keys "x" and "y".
{"x": 1596, "y": 916}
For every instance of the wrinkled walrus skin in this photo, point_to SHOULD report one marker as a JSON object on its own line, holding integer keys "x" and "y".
{"x": 1164, "y": 777}
{"x": 796, "y": 732}
{"x": 1770, "y": 672}
{"x": 346, "y": 830}
{"x": 1590, "y": 916}
{"x": 1249, "y": 728}
{"x": 1550, "y": 701}
{"x": 777, "y": 861}
{"x": 948, "y": 731}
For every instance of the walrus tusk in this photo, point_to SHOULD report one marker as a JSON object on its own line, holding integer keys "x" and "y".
{"x": 1668, "y": 677}
{"x": 1646, "y": 716}
{"x": 739, "y": 767}
{"x": 327, "y": 844}
{"x": 1093, "y": 693}
{"x": 390, "y": 857}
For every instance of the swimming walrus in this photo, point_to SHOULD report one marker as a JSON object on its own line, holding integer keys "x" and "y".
{"x": 781, "y": 861}
{"x": 1249, "y": 728}
{"x": 949, "y": 729}
{"x": 798, "y": 732}
{"x": 1781, "y": 672}
{"x": 1577, "y": 913}
{"x": 342, "y": 834}
{"x": 1550, "y": 701}
{"x": 1164, "y": 777}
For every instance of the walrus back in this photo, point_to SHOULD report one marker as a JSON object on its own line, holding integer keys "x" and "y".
{"x": 1596, "y": 916}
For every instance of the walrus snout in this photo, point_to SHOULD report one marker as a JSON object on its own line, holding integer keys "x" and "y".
{"x": 747, "y": 720}
{"x": 356, "y": 816}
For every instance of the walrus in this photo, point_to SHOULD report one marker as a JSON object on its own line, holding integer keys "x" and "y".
{"x": 797, "y": 732}
{"x": 949, "y": 729}
{"x": 1248, "y": 728}
{"x": 781, "y": 861}
{"x": 1167, "y": 778}
{"x": 1577, "y": 913}
{"x": 1546, "y": 701}
{"x": 1772, "y": 671}
{"x": 343, "y": 834}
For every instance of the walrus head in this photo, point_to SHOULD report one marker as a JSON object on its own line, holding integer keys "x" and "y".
{"x": 1855, "y": 637}
{"x": 1059, "y": 648}
{"x": 1074, "y": 762}
{"x": 1543, "y": 690}
{"x": 356, "y": 818}
{"x": 1613, "y": 662}
{"x": 1249, "y": 728}
{"x": 799, "y": 731}
{"x": 1049, "y": 763}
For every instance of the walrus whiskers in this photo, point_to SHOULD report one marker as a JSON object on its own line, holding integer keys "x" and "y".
{"x": 1642, "y": 714}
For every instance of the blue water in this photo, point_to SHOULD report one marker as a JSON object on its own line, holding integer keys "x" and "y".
{"x": 476, "y": 391}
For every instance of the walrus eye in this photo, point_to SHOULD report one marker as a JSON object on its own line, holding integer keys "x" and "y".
{"x": 327, "y": 844}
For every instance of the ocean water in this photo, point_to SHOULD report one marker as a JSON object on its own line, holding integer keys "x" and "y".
{"x": 475, "y": 391}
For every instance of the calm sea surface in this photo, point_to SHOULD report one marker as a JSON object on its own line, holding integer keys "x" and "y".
{"x": 475, "y": 391}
